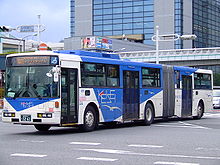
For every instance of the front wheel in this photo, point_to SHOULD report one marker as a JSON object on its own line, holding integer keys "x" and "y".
{"x": 200, "y": 111}
{"x": 148, "y": 114}
{"x": 42, "y": 128}
{"x": 90, "y": 119}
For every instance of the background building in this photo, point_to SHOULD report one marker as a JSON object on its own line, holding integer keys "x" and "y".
{"x": 136, "y": 20}
{"x": 9, "y": 43}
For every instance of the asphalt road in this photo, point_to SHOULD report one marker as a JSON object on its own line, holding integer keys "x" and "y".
{"x": 185, "y": 142}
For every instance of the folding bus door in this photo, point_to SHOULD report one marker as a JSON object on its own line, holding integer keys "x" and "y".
{"x": 68, "y": 95}
{"x": 131, "y": 95}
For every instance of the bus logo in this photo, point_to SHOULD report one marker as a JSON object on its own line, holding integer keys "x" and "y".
{"x": 107, "y": 96}
{"x": 27, "y": 104}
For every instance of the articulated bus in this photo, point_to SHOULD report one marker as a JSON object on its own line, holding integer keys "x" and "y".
{"x": 85, "y": 89}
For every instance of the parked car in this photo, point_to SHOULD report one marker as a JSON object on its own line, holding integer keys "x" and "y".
{"x": 216, "y": 98}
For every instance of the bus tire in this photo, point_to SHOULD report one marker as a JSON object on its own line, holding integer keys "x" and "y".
{"x": 148, "y": 114}
{"x": 42, "y": 128}
{"x": 89, "y": 119}
{"x": 200, "y": 111}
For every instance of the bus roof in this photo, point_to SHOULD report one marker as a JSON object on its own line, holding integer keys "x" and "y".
{"x": 108, "y": 58}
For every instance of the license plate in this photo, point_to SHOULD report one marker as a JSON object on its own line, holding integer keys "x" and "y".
{"x": 25, "y": 117}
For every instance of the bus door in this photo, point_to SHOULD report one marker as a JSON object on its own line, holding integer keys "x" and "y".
{"x": 186, "y": 95}
{"x": 131, "y": 95}
{"x": 68, "y": 95}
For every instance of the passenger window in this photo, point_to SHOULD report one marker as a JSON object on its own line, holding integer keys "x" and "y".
{"x": 99, "y": 75}
{"x": 112, "y": 76}
{"x": 202, "y": 81}
{"x": 150, "y": 77}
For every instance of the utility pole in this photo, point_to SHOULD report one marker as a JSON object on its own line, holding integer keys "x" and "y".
{"x": 157, "y": 44}
{"x": 38, "y": 31}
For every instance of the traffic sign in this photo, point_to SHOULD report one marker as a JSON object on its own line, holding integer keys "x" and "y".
{"x": 43, "y": 46}
{"x": 30, "y": 28}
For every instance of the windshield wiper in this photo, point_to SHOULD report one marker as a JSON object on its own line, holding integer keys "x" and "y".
{"x": 17, "y": 94}
{"x": 36, "y": 93}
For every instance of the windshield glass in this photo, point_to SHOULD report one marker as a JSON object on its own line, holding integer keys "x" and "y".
{"x": 30, "y": 82}
{"x": 216, "y": 93}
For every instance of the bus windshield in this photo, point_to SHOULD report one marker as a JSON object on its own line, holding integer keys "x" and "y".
{"x": 28, "y": 81}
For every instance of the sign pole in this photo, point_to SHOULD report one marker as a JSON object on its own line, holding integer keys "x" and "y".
{"x": 38, "y": 31}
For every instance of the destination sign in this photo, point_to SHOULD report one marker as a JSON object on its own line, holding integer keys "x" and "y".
{"x": 32, "y": 60}
{"x": 29, "y": 28}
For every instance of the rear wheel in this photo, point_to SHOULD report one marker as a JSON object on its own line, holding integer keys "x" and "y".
{"x": 200, "y": 111}
{"x": 42, "y": 128}
{"x": 148, "y": 114}
{"x": 90, "y": 119}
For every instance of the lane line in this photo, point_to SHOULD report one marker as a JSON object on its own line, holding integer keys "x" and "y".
{"x": 22, "y": 140}
{"x": 174, "y": 163}
{"x": 180, "y": 126}
{"x": 97, "y": 159}
{"x": 32, "y": 141}
{"x": 145, "y": 146}
{"x": 28, "y": 155}
{"x": 212, "y": 115}
{"x": 37, "y": 141}
{"x": 193, "y": 125}
{"x": 208, "y": 149}
{"x": 85, "y": 143}
{"x": 123, "y": 152}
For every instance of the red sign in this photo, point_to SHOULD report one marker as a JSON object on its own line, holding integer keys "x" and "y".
{"x": 43, "y": 46}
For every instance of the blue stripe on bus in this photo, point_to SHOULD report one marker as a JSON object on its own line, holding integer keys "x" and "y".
{"x": 20, "y": 104}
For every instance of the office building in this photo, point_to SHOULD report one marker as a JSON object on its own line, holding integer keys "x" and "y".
{"x": 136, "y": 20}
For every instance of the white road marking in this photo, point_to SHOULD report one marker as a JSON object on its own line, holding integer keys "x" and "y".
{"x": 183, "y": 125}
{"x": 212, "y": 115}
{"x": 109, "y": 151}
{"x": 193, "y": 125}
{"x": 174, "y": 163}
{"x": 85, "y": 143}
{"x": 145, "y": 146}
{"x": 208, "y": 149}
{"x": 33, "y": 141}
{"x": 112, "y": 151}
{"x": 97, "y": 159}
{"x": 28, "y": 155}
{"x": 22, "y": 140}
{"x": 37, "y": 141}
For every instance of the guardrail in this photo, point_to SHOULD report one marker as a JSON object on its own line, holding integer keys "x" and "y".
{"x": 173, "y": 55}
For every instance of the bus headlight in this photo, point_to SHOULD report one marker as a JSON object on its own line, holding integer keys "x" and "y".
{"x": 8, "y": 114}
{"x": 44, "y": 115}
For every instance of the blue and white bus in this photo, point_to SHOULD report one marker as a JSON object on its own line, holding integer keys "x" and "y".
{"x": 85, "y": 89}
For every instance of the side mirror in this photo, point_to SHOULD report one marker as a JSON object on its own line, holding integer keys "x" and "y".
{"x": 3, "y": 76}
{"x": 49, "y": 75}
{"x": 56, "y": 70}
{"x": 56, "y": 77}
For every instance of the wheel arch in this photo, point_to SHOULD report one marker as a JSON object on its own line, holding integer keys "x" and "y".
{"x": 201, "y": 101}
{"x": 150, "y": 102}
{"x": 95, "y": 108}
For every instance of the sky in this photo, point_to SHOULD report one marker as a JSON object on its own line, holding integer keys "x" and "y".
{"x": 55, "y": 15}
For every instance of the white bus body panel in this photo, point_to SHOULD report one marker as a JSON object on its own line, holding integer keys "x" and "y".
{"x": 47, "y": 107}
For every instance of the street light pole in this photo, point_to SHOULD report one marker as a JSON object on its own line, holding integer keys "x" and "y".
{"x": 38, "y": 31}
{"x": 157, "y": 44}
{"x": 168, "y": 37}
